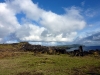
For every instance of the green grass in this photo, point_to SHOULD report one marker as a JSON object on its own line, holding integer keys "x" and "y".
{"x": 43, "y": 64}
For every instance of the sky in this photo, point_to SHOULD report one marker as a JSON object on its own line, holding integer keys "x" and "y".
{"x": 52, "y": 22}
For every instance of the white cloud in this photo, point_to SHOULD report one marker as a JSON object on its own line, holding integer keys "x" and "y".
{"x": 31, "y": 10}
{"x": 11, "y": 42}
{"x": 89, "y": 38}
{"x": 96, "y": 37}
{"x": 83, "y": 3}
{"x": 50, "y": 27}
{"x": 91, "y": 25}
{"x": 0, "y": 40}
{"x": 8, "y": 21}
{"x": 69, "y": 22}
{"x": 91, "y": 43}
{"x": 90, "y": 12}
{"x": 29, "y": 32}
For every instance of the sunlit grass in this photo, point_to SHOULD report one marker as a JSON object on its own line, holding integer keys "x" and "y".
{"x": 26, "y": 63}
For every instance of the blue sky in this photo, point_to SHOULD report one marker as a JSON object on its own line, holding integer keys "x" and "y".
{"x": 58, "y": 21}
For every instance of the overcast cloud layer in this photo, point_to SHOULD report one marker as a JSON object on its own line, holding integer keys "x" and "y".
{"x": 38, "y": 24}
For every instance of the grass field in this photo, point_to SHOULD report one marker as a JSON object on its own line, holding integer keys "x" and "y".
{"x": 26, "y": 63}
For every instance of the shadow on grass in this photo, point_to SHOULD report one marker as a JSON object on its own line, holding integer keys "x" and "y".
{"x": 29, "y": 73}
{"x": 90, "y": 70}
{"x": 24, "y": 73}
{"x": 93, "y": 73}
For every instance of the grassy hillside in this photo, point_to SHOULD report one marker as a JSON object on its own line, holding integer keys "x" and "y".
{"x": 9, "y": 47}
{"x": 26, "y": 63}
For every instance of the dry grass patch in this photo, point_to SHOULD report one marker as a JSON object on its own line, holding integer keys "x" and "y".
{"x": 10, "y": 54}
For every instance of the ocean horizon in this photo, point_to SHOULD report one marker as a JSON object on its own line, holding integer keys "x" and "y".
{"x": 85, "y": 48}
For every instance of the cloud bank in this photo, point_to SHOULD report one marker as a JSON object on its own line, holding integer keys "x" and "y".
{"x": 91, "y": 38}
{"x": 38, "y": 24}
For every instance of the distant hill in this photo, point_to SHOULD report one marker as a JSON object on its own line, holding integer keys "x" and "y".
{"x": 70, "y": 46}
